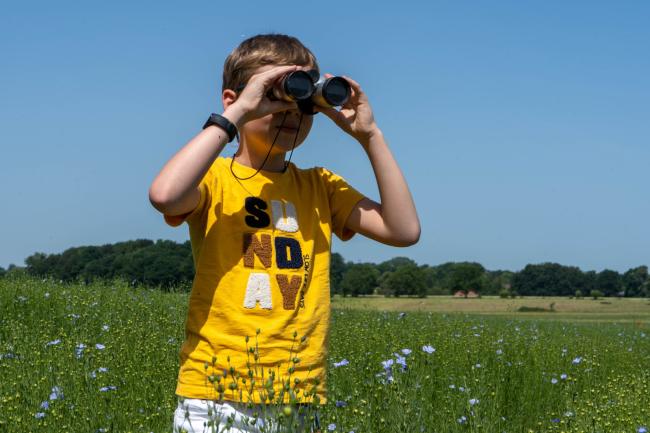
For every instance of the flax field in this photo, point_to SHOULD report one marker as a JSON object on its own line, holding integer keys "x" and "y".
{"x": 103, "y": 357}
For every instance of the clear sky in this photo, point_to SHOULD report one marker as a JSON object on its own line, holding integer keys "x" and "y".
{"x": 523, "y": 128}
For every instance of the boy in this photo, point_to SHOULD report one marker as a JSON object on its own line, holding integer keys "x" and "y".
{"x": 260, "y": 230}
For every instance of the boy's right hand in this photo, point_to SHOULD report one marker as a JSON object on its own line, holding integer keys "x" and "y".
{"x": 252, "y": 102}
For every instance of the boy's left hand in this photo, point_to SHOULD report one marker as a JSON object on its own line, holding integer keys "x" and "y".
{"x": 355, "y": 117}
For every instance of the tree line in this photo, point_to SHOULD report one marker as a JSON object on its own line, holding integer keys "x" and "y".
{"x": 167, "y": 264}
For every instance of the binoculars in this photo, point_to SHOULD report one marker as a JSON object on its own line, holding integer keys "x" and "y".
{"x": 307, "y": 89}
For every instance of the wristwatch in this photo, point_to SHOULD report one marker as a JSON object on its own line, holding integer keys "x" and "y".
{"x": 223, "y": 123}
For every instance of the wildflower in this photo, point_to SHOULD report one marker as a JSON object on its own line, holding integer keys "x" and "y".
{"x": 401, "y": 361}
{"x": 568, "y": 413}
{"x": 102, "y": 369}
{"x": 79, "y": 350}
{"x": 39, "y": 415}
{"x": 428, "y": 349}
{"x": 401, "y": 315}
{"x": 387, "y": 364}
{"x": 553, "y": 381}
{"x": 452, "y": 386}
{"x": 47, "y": 295}
{"x": 341, "y": 363}
{"x": 100, "y": 346}
{"x": 331, "y": 427}
{"x": 499, "y": 351}
{"x": 406, "y": 352}
{"x": 105, "y": 328}
{"x": 642, "y": 429}
{"x": 56, "y": 393}
{"x": 473, "y": 401}
{"x": 577, "y": 360}
{"x": 478, "y": 366}
{"x": 461, "y": 389}
{"x": 555, "y": 420}
{"x": 45, "y": 405}
{"x": 107, "y": 388}
{"x": 53, "y": 342}
{"x": 563, "y": 376}
{"x": 462, "y": 419}
{"x": 340, "y": 403}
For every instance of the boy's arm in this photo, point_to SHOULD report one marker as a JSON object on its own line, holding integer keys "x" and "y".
{"x": 175, "y": 190}
{"x": 394, "y": 221}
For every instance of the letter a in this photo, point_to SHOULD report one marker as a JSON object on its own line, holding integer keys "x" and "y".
{"x": 258, "y": 289}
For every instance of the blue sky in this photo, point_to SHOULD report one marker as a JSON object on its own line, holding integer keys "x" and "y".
{"x": 522, "y": 128}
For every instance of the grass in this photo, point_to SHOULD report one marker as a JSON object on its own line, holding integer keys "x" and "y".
{"x": 442, "y": 371}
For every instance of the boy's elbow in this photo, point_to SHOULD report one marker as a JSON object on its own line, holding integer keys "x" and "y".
{"x": 407, "y": 238}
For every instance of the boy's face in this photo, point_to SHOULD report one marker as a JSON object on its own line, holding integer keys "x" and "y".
{"x": 259, "y": 134}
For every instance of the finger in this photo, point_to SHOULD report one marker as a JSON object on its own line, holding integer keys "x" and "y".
{"x": 275, "y": 73}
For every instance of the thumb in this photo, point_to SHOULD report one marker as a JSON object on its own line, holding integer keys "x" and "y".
{"x": 332, "y": 113}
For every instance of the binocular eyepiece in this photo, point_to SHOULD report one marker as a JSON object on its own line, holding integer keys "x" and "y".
{"x": 307, "y": 89}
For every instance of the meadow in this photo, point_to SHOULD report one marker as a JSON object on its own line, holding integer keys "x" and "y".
{"x": 104, "y": 358}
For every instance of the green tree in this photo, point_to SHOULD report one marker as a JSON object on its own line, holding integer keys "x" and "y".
{"x": 467, "y": 276}
{"x": 337, "y": 269}
{"x": 408, "y": 280}
{"x": 609, "y": 282}
{"x": 359, "y": 279}
{"x": 634, "y": 280}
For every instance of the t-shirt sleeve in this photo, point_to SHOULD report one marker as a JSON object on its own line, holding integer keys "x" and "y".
{"x": 342, "y": 199}
{"x": 205, "y": 187}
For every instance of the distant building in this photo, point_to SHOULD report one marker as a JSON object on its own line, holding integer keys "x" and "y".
{"x": 473, "y": 294}
{"x": 460, "y": 294}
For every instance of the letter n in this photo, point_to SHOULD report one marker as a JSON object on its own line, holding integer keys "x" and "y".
{"x": 257, "y": 247}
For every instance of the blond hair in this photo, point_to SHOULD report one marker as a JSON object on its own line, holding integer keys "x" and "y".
{"x": 260, "y": 50}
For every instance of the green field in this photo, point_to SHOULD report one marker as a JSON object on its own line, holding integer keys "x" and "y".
{"x": 624, "y": 310}
{"x": 456, "y": 365}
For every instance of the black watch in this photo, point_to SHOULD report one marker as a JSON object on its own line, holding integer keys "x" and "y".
{"x": 223, "y": 123}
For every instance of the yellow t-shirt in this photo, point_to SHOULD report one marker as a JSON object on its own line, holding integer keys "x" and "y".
{"x": 261, "y": 251}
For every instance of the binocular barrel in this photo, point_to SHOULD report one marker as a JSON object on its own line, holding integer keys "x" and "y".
{"x": 299, "y": 86}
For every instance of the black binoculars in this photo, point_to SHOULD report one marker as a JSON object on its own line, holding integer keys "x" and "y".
{"x": 307, "y": 89}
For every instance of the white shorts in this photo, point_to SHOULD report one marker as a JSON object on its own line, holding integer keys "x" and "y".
{"x": 207, "y": 416}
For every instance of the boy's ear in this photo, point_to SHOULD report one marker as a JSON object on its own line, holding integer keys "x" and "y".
{"x": 228, "y": 97}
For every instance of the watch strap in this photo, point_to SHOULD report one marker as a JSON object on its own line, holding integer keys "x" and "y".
{"x": 223, "y": 123}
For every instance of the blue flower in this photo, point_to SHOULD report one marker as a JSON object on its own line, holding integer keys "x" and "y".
{"x": 79, "y": 350}
{"x": 563, "y": 376}
{"x": 340, "y": 403}
{"x": 39, "y": 415}
{"x": 499, "y": 351}
{"x": 45, "y": 405}
{"x": 473, "y": 401}
{"x": 341, "y": 363}
{"x": 553, "y": 381}
{"x": 406, "y": 352}
{"x": 462, "y": 420}
{"x": 642, "y": 429}
{"x": 331, "y": 427}
{"x": 100, "y": 346}
{"x": 107, "y": 388}
{"x": 53, "y": 342}
{"x": 428, "y": 349}
{"x": 56, "y": 393}
{"x": 387, "y": 364}
{"x": 555, "y": 420}
{"x": 577, "y": 360}
{"x": 401, "y": 361}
